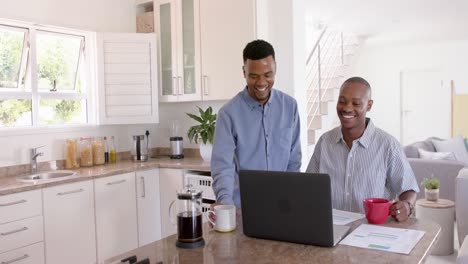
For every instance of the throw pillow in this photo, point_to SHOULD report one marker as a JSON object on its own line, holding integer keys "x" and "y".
{"x": 455, "y": 145}
{"x": 436, "y": 155}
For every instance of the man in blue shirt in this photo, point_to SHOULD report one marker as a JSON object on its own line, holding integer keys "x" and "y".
{"x": 258, "y": 129}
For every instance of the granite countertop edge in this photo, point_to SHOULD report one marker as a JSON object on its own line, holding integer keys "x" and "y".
{"x": 10, "y": 185}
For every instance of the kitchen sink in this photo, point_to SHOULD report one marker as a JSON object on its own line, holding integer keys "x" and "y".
{"x": 47, "y": 175}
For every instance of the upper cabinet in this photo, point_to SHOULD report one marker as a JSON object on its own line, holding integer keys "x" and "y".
{"x": 225, "y": 28}
{"x": 179, "y": 33}
{"x": 128, "y": 82}
{"x": 201, "y": 43}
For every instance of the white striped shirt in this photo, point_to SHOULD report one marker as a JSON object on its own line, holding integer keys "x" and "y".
{"x": 374, "y": 167}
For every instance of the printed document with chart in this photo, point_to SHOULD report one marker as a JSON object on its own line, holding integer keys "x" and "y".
{"x": 383, "y": 238}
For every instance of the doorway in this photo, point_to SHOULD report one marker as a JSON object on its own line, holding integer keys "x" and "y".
{"x": 425, "y": 106}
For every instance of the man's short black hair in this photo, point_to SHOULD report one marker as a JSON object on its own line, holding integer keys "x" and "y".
{"x": 258, "y": 49}
{"x": 361, "y": 81}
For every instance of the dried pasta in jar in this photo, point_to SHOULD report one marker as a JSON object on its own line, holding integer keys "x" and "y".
{"x": 86, "y": 152}
{"x": 71, "y": 154}
{"x": 98, "y": 151}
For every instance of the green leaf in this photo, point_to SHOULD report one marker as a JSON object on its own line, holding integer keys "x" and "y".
{"x": 204, "y": 131}
{"x": 204, "y": 137}
{"x": 196, "y": 118}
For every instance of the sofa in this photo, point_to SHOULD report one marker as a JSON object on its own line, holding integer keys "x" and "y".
{"x": 445, "y": 170}
{"x": 461, "y": 211}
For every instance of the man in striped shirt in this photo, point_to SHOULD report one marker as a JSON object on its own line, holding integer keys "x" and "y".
{"x": 362, "y": 160}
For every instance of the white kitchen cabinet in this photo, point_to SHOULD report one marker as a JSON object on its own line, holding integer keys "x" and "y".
{"x": 179, "y": 34}
{"x": 199, "y": 58}
{"x": 128, "y": 78}
{"x": 21, "y": 228}
{"x": 225, "y": 28}
{"x": 69, "y": 223}
{"x": 116, "y": 215}
{"x": 170, "y": 181}
{"x": 32, "y": 254}
{"x": 148, "y": 203}
{"x": 20, "y": 205}
{"x": 21, "y": 233}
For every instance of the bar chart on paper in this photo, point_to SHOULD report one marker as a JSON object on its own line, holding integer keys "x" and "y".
{"x": 383, "y": 238}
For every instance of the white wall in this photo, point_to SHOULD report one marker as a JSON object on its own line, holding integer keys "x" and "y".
{"x": 94, "y": 15}
{"x": 177, "y": 111}
{"x": 381, "y": 66}
{"x": 282, "y": 23}
{"x": 101, "y": 16}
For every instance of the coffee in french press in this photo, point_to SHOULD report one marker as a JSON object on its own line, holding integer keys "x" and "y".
{"x": 188, "y": 212}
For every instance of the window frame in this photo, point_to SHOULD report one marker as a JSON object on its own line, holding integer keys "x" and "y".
{"x": 86, "y": 67}
{"x": 24, "y": 54}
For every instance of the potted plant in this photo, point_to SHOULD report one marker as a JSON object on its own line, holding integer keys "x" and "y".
{"x": 203, "y": 133}
{"x": 431, "y": 188}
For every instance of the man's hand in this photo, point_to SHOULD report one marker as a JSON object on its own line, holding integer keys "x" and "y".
{"x": 400, "y": 211}
{"x": 212, "y": 216}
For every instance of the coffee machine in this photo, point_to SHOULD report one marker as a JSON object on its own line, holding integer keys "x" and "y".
{"x": 176, "y": 141}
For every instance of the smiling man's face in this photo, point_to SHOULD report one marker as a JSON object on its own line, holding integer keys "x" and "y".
{"x": 353, "y": 104}
{"x": 260, "y": 77}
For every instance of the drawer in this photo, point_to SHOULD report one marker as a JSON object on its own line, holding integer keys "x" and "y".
{"x": 20, "y": 205}
{"x": 21, "y": 233}
{"x": 33, "y": 254}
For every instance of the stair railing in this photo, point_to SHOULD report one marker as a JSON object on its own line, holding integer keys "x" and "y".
{"x": 322, "y": 54}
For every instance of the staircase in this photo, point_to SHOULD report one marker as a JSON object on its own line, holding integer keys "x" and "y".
{"x": 326, "y": 68}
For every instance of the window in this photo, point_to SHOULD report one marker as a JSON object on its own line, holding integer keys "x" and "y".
{"x": 44, "y": 76}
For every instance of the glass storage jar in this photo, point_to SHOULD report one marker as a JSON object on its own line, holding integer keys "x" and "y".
{"x": 86, "y": 152}
{"x": 99, "y": 149}
{"x": 71, "y": 154}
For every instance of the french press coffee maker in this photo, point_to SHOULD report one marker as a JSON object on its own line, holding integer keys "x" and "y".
{"x": 188, "y": 211}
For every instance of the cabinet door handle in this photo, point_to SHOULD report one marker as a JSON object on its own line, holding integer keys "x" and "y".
{"x": 143, "y": 187}
{"x": 179, "y": 85}
{"x": 174, "y": 88}
{"x": 205, "y": 86}
{"x": 70, "y": 192}
{"x": 14, "y": 231}
{"x": 15, "y": 259}
{"x": 116, "y": 182}
{"x": 13, "y": 203}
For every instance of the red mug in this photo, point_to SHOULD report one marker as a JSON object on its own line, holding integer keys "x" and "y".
{"x": 377, "y": 210}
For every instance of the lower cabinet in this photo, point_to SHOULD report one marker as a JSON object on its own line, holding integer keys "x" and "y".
{"x": 69, "y": 223}
{"x": 170, "y": 180}
{"x": 148, "y": 203}
{"x": 21, "y": 228}
{"x": 89, "y": 221}
{"x": 21, "y": 233}
{"x": 32, "y": 254}
{"x": 116, "y": 215}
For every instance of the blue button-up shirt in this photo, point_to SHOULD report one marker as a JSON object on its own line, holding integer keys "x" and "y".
{"x": 249, "y": 135}
{"x": 374, "y": 167}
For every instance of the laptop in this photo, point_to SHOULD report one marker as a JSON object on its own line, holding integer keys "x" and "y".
{"x": 289, "y": 206}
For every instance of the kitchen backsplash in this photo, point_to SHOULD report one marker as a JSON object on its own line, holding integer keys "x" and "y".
{"x": 16, "y": 144}
{"x": 15, "y": 170}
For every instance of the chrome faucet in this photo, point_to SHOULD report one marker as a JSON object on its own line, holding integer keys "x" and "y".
{"x": 34, "y": 155}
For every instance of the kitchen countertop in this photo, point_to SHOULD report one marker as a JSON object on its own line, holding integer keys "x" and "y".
{"x": 235, "y": 247}
{"x": 9, "y": 185}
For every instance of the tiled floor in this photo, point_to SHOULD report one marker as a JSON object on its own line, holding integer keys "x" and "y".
{"x": 446, "y": 259}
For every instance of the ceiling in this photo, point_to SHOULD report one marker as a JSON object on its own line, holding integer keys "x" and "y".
{"x": 402, "y": 21}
